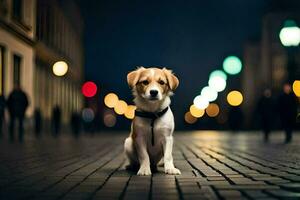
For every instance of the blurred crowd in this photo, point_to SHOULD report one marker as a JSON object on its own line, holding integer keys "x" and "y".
{"x": 268, "y": 110}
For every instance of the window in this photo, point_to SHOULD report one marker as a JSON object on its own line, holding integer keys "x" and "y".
{"x": 17, "y": 70}
{"x": 3, "y": 7}
{"x": 2, "y": 52}
{"x": 18, "y": 10}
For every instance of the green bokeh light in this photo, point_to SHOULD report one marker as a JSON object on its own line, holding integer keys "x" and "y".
{"x": 232, "y": 65}
{"x": 219, "y": 73}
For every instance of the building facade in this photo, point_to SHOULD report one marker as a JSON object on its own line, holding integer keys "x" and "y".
{"x": 34, "y": 34}
{"x": 17, "y": 36}
{"x": 59, "y": 37}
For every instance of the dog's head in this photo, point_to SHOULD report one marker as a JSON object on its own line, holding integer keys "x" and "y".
{"x": 152, "y": 84}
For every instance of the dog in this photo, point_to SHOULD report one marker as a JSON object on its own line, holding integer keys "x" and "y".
{"x": 151, "y": 137}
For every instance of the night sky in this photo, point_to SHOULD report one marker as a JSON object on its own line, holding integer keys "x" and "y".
{"x": 190, "y": 37}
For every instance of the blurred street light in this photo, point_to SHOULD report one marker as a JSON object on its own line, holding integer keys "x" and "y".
{"x": 109, "y": 119}
{"x": 88, "y": 115}
{"x": 290, "y": 34}
{"x": 290, "y": 38}
{"x": 217, "y": 83}
{"x": 212, "y": 110}
{"x": 218, "y": 73}
{"x": 209, "y": 93}
{"x": 196, "y": 112}
{"x": 296, "y": 88}
{"x": 189, "y": 118}
{"x": 130, "y": 112}
{"x": 200, "y": 102}
{"x": 111, "y": 100}
{"x": 232, "y": 65}
{"x": 60, "y": 68}
{"x": 121, "y": 107}
{"x": 89, "y": 89}
{"x": 235, "y": 98}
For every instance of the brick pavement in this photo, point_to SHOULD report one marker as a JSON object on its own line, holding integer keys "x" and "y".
{"x": 214, "y": 165}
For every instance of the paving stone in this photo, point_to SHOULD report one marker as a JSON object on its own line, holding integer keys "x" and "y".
{"x": 91, "y": 168}
{"x": 282, "y": 194}
{"x": 291, "y": 186}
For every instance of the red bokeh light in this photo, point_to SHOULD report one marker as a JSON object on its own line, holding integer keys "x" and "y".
{"x": 89, "y": 89}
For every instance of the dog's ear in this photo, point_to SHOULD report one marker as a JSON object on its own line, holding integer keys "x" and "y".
{"x": 173, "y": 81}
{"x": 133, "y": 77}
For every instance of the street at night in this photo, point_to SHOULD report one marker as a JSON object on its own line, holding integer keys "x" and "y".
{"x": 214, "y": 165}
{"x": 154, "y": 100}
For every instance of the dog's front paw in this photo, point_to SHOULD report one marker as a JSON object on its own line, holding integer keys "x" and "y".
{"x": 144, "y": 171}
{"x": 173, "y": 171}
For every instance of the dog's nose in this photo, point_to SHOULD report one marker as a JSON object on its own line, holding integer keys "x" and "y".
{"x": 153, "y": 93}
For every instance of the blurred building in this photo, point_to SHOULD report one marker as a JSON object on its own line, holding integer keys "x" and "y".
{"x": 265, "y": 62}
{"x": 59, "y": 37}
{"x": 17, "y": 39}
{"x": 34, "y": 34}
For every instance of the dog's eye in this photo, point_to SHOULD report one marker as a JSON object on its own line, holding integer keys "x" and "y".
{"x": 145, "y": 82}
{"x": 161, "y": 82}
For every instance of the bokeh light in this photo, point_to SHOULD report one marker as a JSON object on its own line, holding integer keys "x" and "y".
{"x": 219, "y": 73}
{"x": 130, "y": 111}
{"x": 89, "y": 89}
{"x": 209, "y": 93}
{"x": 200, "y": 102}
{"x": 232, "y": 65}
{"x": 88, "y": 115}
{"x": 60, "y": 68}
{"x": 189, "y": 118}
{"x": 111, "y": 100}
{"x": 290, "y": 34}
{"x": 109, "y": 119}
{"x": 235, "y": 98}
{"x": 296, "y": 88}
{"x": 120, "y": 107}
{"x": 217, "y": 83}
{"x": 196, "y": 112}
{"x": 212, "y": 110}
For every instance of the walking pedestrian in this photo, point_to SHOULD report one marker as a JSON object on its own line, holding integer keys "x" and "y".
{"x": 17, "y": 104}
{"x": 56, "y": 119}
{"x": 37, "y": 122}
{"x": 75, "y": 123}
{"x": 2, "y": 109}
{"x": 288, "y": 111}
{"x": 265, "y": 109}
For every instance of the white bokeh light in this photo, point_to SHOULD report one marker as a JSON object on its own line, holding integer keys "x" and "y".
{"x": 290, "y": 36}
{"x": 209, "y": 93}
{"x": 217, "y": 83}
{"x": 201, "y": 102}
{"x": 60, "y": 68}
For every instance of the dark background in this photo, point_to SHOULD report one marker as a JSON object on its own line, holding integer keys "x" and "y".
{"x": 190, "y": 37}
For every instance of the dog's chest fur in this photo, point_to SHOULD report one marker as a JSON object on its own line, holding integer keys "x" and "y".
{"x": 163, "y": 126}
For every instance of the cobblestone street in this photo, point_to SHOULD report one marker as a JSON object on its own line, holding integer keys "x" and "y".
{"x": 214, "y": 165}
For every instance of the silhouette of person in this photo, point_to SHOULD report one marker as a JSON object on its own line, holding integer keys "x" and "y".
{"x": 56, "y": 119}
{"x": 17, "y": 104}
{"x": 2, "y": 109}
{"x": 235, "y": 118}
{"x": 75, "y": 123}
{"x": 287, "y": 103}
{"x": 265, "y": 109}
{"x": 37, "y": 122}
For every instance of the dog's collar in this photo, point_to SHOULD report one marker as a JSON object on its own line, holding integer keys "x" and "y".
{"x": 153, "y": 116}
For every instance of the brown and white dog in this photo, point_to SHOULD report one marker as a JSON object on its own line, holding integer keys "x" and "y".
{"x": 151, "y": 140}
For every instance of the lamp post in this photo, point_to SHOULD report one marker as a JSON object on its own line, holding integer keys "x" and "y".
{"x": 290, "y": 38}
